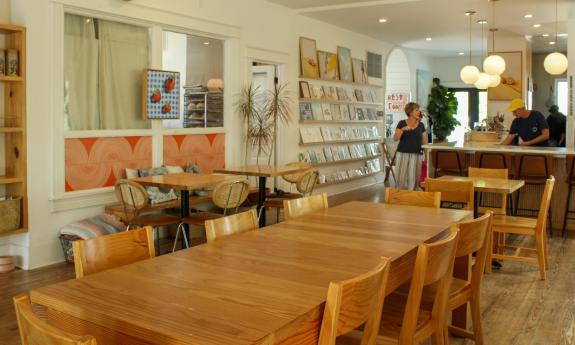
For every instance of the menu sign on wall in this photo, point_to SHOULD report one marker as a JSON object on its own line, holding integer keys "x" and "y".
{"x": 395, "y": 102}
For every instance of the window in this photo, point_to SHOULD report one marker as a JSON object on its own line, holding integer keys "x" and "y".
{"x": 200, "y": 62}
{"x": 103, "y": 66}
{"x": 562, "y": 95}
{"x": 471, "y": 110}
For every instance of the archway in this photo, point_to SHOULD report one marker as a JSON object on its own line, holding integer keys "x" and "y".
{"x": 397, "y": 79}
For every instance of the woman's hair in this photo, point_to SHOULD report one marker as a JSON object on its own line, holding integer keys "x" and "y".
{"x": 411, "y": 106}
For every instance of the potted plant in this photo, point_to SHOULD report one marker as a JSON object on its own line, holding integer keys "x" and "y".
{"x": 442, "y": 107}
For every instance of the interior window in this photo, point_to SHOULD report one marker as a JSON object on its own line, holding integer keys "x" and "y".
{"x": 200, "y": 61}
{"x": 103, "y": 66}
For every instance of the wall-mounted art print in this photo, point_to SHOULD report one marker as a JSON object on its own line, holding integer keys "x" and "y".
{"x": 359, "y": 75}
{"x": 161, "y": 93}
{"x": 344, "y": 63}
{"x": 511, "y": 85}
{"x": 308, "y": 58}
{"x": 327, "y": 65}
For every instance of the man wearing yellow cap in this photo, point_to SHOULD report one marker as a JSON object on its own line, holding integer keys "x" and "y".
{"x": 529, "y": 125}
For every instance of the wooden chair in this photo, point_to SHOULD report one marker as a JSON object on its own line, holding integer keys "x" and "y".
{"x": 114, "y": 250}
{"x": 305, "y": 184}
{"x": 460, "y": 192}
{"x": 229, "y": 194}
{"x": 302, "y": 206}
{"x": 353, "y": 303}
{"x": 389, "y": 150}
{"x": 34, "y": 331}
{"x": 412, "y": 198}
{"x": 526, "y": 226}
{"x": 229, "y": 225}
{"x": 494, "y": 160}
{"x": 449, "y": 162}
{"x": 491, "y": 173}
{"x": 134, "y": 200}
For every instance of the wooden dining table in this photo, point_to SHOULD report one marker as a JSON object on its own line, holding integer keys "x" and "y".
{"x": 265, "y": 286}
{"x": 262, "y": 172}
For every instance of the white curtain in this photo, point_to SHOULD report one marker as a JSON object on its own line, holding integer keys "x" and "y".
{"x": 105, "y": 62}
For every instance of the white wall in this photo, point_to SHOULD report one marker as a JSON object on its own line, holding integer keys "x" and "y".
{"x": 447, "y": 69}
{"x": 253, "y": 29}
{"x": 5, "y": 11}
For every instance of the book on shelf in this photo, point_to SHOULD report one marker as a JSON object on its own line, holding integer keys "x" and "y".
{"x": 316, "y": 91}
{"x": 344, "y": 109}
{"x": 317, "y": 111}
{"x": 326, "y": 134}
{"x": 370, "y": 114}
{"x": 305, "y": 111}
{"x": 359, "y": 113}
{"x": 352, "y": 113}
{"x": 336, "y": 111}
{"x": 304, "y": 157}
{"x": 310, "y": 134}
{"x": 319, "y": 156}
{"x": 312, "y": 157}
{"x": 304, "y": 91}
{"x": 326, "y": 108}
{"x": 359, "y": 95}
{"x": 328, "y": 154}
{"x": 341, "y": 94}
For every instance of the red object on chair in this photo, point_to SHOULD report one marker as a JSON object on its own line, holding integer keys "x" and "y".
{"x": 423, "y": 175}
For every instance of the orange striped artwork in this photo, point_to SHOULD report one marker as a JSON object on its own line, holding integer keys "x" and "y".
{"x": 207, "y": 151}
{"x": 98, "y": 162}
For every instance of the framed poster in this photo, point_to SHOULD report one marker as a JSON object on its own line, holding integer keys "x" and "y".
{"x": 344, "y": 64}
{"x": 511, "y": 86}
{"x": 327, "y": 65}
{"x": 161, "y": 95}
{"x": 359, "y": 71}
{"x": 308, "y": 58}
{"x": 424, "y": 84}
{"x": 396, "y": 101}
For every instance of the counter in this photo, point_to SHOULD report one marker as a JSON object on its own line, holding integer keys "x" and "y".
{"x": 482, "y": 146}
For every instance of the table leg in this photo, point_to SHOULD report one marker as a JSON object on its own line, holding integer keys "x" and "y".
{"x": 475, "y": 204}
{"x": 461, "y": 270}
{"x": 261, "y": 200}
{"x": 184, "y": 212}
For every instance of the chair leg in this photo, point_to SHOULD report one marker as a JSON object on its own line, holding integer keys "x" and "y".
{"x": 540, "y": 248}
{"x": 550, "y": 217}
{"x": 439, "y": 336}
{"x": 157, "y": 236}
{"x": 516, "y": 202}
{"x": 566, "y": 215}
{"x": 490, "y": 250}
{"x": 180, "y": 228}
{"x": 545, "y": 253}
{"x": 476, "y": 319}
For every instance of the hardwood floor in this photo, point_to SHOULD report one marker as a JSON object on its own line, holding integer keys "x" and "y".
{"x": 518, "y": 308}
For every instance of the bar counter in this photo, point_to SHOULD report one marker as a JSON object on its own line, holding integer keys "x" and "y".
{"x": 530, "y": 195}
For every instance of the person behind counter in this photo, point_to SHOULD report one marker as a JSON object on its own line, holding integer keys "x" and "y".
{"x": 557, "y": 123}
{"x": 529, "y": 125}
{"x": 411, "y": 135}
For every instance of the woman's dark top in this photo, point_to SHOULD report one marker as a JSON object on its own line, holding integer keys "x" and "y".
{"x": 410, "y": 141}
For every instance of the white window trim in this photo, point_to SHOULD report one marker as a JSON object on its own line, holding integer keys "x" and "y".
{"x": 62, "y": 200}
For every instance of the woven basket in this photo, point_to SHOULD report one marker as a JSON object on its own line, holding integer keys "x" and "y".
{"x": 9, "y": 214}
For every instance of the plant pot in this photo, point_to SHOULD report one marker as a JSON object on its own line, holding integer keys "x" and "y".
{"x": 438, "y": 141}
{"x": 6, "y": 264}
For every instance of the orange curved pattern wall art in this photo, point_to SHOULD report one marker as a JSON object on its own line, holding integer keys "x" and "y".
{"x": 207, "y": 151}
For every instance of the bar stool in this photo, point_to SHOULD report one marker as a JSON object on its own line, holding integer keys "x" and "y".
{"x": 496, "y": 160}
{"x": 569, "y": 168}
{"x": 534, "y": 169}
{"x": 449, "y": 162}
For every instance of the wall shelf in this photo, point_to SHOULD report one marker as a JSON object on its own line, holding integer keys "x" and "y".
{"x": 10, "y": 180}
{"x": 344, "y": 161}
{"x": 312, "y": 122}
{"x": 11, "y": 130}
{"x": 10, "y": 78}
{"x": 331, "y": 101}
{"x": 370, "y": 140}
{"x": 340, "y": 82}
{"x": 347, "y": 179}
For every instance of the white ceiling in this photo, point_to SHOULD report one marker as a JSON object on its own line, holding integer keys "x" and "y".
{"x": 411, "y": 21}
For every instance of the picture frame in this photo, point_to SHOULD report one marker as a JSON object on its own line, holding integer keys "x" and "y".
{"x": 512, "y": 83}
{"x": 304, "y": 91}
{"x": 309, "y": 66}
{"x": 160, "y": 95}
{"x": 359, "y": 71}
{"x": 328, "y": 66}
{"x": 344, "y": 63}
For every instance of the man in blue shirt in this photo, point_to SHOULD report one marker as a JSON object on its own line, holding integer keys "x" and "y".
{"x": 529, "y": 125}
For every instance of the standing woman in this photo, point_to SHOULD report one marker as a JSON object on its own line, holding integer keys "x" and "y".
{"x": 411, "y": 135}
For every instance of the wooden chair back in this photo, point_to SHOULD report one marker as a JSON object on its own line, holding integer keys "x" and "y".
{"x": 493, "y": 160}
{"x": 229, "y": 225}
{"x": 544, "y": 206}
{"x": 488, "y": 173}
{"x": 133, "y": 197}
{"x": 114, "y": 250}
{"x": 307, "y": 182}
{"x": 534, "y": 166}
{"x": 34, "y": 331}
{"x": 412, "y": 198}
{"x": 231, "y": 193}
{"x": 354, "y": 302}
{"x": 452, "y": 191}
{"x": 433, "y": 264}
{"x": 299, "y": 207}
{"x": 293, "y": 178}
{"x": 448, "y": 161}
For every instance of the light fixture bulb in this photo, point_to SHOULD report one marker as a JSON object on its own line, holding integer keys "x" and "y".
{"x": 494, "y": 80}
{"x": 383, "y": 20}
{"x": 528, "y": 16}
{"x": 556, "y": 63}
{"x": 469, "y": 74}
{"x": 483, "y": 81}
{"x": 494, "y": 65}
{"x": 536, "y": 25}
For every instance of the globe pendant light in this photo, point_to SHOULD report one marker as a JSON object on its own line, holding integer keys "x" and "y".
{"x": 556, "y": 63}
{"x": 470, "y": 73}
{"x": 484, "y": 80}
{"x": 494, "y": 80}
{"x": 493, "y": 64}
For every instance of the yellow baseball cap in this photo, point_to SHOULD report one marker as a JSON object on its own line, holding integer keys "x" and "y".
{"x": 515, "y": 104}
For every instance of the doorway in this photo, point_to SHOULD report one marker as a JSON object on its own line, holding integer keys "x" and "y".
{"x": 471, "y": 111}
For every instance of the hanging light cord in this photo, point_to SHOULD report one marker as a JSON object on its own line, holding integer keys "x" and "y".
{"x": 470, "y": 25}
{"x": 493, "y": 26}
{"x": 556, "y": 36}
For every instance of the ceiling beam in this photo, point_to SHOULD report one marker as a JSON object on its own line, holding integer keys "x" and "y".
{"x": 354, "y": 4}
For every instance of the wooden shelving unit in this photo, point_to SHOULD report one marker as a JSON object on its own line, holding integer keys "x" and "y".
{"x": 339, "y": 142}
{"x": 344, "y": 122}
{"x": 347, "y": 179}
{"x": 13, "y": 126}
{"x": 340, "y": 82}
{"x": 343, "y": 161}
{"x": 331, "y": 101}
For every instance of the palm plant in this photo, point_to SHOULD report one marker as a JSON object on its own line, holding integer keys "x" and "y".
{"x": 278, "y": 105}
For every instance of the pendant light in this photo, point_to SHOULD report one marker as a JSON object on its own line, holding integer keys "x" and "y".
{"x": 493, "y": 64}
{"x": 556, "y": 63}
{"x": 470, "y": 73}
{"x": 483, "y": 80}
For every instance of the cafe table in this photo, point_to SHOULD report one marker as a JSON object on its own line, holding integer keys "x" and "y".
{"x": 184, "y": 182}
{"x": 262, "y": 172}
{"x": 258, "y": 287}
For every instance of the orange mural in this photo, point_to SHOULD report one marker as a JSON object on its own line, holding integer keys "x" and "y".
{"x": 207, "y": 151}
{"x": 98, "y": 162}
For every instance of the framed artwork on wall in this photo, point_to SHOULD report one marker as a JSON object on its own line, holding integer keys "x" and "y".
{"x": 511, "y": 85}
{"x": 327, "y": 65}
{"x": 344, "y": 64}
{"x": 359, "y": 71}
{"x": 161, "y": 95}
{"x": 308, "y": 58}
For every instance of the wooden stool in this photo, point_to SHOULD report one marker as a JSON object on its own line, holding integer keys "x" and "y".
{"x": 449, "y": 162}
{"x": 569, "y": 168}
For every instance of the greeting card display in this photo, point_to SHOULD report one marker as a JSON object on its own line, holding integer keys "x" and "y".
{"x": 161, "y": 92}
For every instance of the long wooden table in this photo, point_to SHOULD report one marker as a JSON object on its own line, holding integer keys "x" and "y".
{"x": 261, "y": 287}
{"x": 262, "y": 172}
